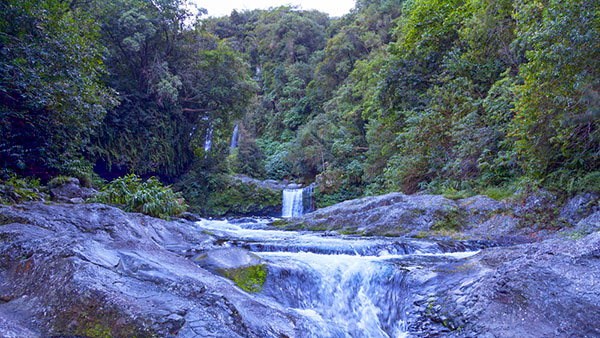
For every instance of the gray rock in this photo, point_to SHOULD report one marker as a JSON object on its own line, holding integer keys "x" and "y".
{"x": 584, "y": 227}
{"x": 391, "y": 214}
{"x": 71, "y": 192}
{"x": 90, "y": 269}
{"x": 227, "y": 258}
{"x": 578, "y": 207}
{"x": 548, "y": 289}
{"x": 190, "y": 216}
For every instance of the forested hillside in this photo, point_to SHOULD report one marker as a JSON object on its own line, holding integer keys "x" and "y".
{"x": 449, "y": 96}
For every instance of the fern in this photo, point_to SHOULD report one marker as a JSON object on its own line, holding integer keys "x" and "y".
{"x": 149, "y": 197}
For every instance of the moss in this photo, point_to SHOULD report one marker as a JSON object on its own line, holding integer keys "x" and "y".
{"x": 453, "y": 194}
{"x": 498, "y": 193}
{"x": 280, "y": 223}
{"x": 249, "y": 278}
{"x": 451, "y": 219}
{"x": 206, "y": 232}
{"x": 96, "y": 331}
{"x": 353, "y": 231}
{"x": 91, "y": 317}
{"x": 239, "y": 198}
{"x": 421, "y": 234}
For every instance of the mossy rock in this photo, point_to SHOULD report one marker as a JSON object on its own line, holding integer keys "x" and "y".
{"x": 249, "y": 278}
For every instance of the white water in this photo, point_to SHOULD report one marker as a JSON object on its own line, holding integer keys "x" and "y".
{"x": 292, "y": 203}
{"x": 342, "y": 286}
{"x": 208, "y": 139}
{"x": 234, "y": 137}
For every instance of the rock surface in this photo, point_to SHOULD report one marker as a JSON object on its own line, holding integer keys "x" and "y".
{"x": 71, "y": 191}
{"x": 93, "y": 270}
{"x": 391, "y": 214}
{"x": 548, "y": 289}
{"x": 216, "y": 260}
{"x": 536, "y": 217}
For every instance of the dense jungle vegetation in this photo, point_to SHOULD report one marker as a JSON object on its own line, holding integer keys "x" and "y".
{"x": 448, "y": 96}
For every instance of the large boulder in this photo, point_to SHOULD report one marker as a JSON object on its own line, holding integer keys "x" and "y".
{"x": 246, "y": 269}
{"x": 93, "y": 270}
{"x": 71, "y": 191}
{"x": 547, "y": 289}
{"x": 392, "y": 214}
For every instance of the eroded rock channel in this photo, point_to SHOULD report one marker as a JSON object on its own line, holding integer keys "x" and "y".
{"x": 94, "y": 270}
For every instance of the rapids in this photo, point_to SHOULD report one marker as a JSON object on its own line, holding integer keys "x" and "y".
{"x": 343, "y": 286}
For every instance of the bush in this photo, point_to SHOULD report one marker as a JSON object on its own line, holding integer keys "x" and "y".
{"x": 82, "y": 170}
{"x": 18, "y": 189}
{"x": 149, "y": 197}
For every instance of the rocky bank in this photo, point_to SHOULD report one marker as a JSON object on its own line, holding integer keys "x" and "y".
{"x": 94, "y": 270}
{"x": 529, "y": 218}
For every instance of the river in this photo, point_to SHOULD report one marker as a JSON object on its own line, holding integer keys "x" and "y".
{"x": 344, "y": 286}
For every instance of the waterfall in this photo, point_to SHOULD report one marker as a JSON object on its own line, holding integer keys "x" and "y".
{"x": 346, "y": 286}
{"x": 292, "y": 203}
{"x": 234, "y": 138}
{"x": 208, "y": 138}
{"x": 296, "y": 202}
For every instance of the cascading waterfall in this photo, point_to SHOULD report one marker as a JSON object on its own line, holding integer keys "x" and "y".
{"x": 343, "y": 286}
{"x": 296, "y": 202}
{"x": 208, "y": 138}
{"x": 234, "y": 137}
{"x": 292, "y": 203}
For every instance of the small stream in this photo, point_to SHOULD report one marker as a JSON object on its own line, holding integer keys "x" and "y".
{"x": 345, "y": 286}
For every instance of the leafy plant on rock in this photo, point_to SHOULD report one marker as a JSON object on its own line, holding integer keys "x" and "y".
{"x": 148, "y": 197}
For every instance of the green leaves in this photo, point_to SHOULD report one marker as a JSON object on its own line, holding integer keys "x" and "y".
{"x": 552, "y": 128}
{"x": 50, "y": 84}
{"x": 148, "y": 197}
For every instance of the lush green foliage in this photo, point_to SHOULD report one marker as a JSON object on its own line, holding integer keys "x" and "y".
{"x": 149, "y": 197}
{"x": 19, "y": 189}
{"x": 451, "y": 96}
{"x": 220, "y": 195}
{"x": 51, "y": 94}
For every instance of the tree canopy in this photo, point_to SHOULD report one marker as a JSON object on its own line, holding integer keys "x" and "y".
{"x": 411, "y": 95}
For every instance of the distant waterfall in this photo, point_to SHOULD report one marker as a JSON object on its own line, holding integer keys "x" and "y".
{"x": 296, "y": 202}
{"x": 234, "y": 138}
{"x": 208, "y": 139}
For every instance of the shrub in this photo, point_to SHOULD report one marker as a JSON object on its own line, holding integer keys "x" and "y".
{"x": 18, "y": 189}
{"x": 82, "y": 170}
{"x": 149, "y": 197}
{"x": 58, "y": 181}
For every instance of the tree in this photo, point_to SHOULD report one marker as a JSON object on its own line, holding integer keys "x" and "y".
{"x": 51, "y": 93}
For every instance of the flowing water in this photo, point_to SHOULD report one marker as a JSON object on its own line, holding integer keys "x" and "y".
{"x": 343, "y": 286}
{"x": 292, "y": 203}
{"x": 208, "y": 139}
{"x": 296, "y": 202}
{"x": 234, "y": 137}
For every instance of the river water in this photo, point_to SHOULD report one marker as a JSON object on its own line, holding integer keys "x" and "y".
{"x": 344, "y": 286}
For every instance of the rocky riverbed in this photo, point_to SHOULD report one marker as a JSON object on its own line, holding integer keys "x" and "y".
{"x": 532, "y": 217}
{"x": 93, "y": 270}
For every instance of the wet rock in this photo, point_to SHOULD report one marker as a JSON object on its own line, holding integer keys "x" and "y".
{"x": 246, "y": 269}
{"x": 227, "y": 258}
{"x": 94, "y": 270}
{"x": 190, "y": 216}
{"x": 548, "y": 289}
